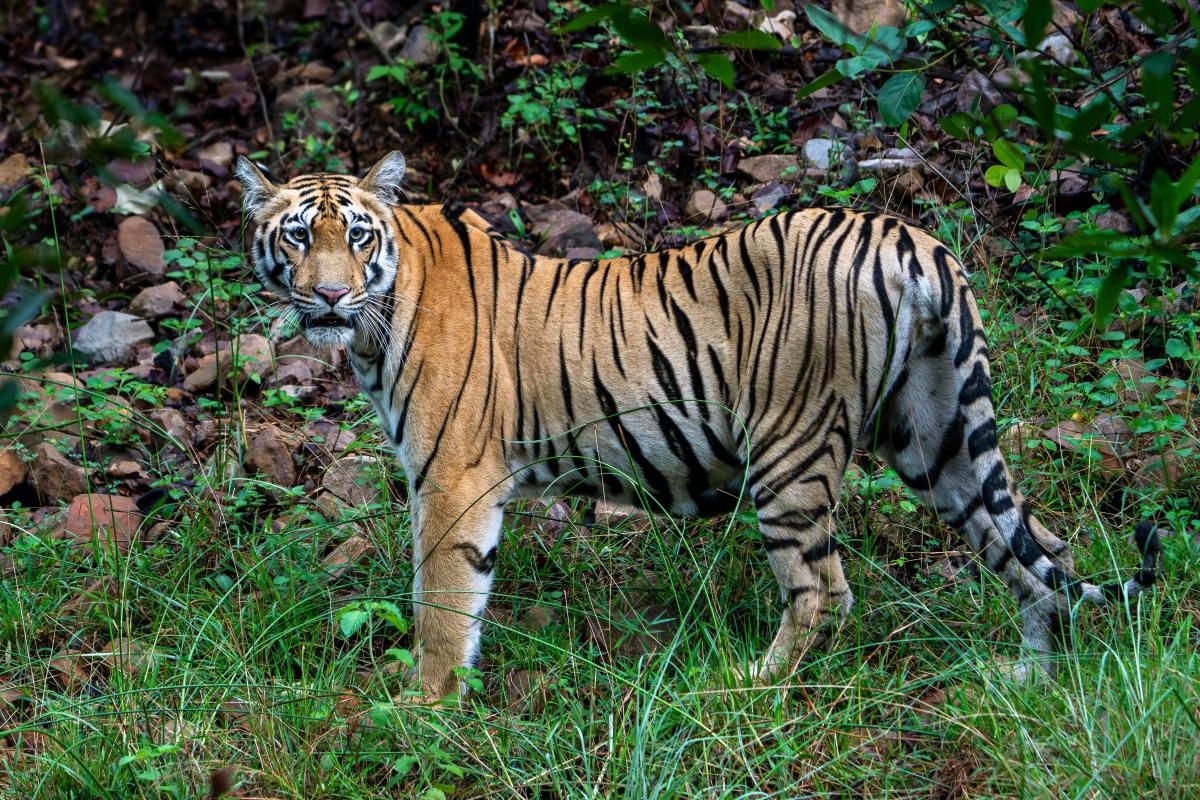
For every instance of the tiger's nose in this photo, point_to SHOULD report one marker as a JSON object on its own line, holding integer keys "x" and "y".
{"x": 333, "y": 293}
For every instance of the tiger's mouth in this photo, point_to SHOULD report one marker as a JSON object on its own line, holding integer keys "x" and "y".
{"x": 325, "y": 321}
{"x": 328, "y": 330}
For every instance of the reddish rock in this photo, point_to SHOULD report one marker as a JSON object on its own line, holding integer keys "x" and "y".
{"x": 141, "y": 245}
{"x": 108, "y": 519}
{"x": 270, "y": 453}
{"x": 54, "y": 476}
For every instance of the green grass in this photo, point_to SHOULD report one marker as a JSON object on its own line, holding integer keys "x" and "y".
{"x": 626, "y": 689}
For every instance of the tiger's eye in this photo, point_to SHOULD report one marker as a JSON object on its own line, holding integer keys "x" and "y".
{"x": 356, "y": 233}
{"x": 298, "y": 234}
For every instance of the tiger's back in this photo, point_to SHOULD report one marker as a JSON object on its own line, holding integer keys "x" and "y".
{"x": 742, "y": 368}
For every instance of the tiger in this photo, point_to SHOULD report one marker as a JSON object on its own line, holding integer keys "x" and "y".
{"x": 744, "y": 368}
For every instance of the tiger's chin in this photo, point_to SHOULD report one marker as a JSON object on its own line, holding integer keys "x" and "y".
{"x": 328, "y": 332}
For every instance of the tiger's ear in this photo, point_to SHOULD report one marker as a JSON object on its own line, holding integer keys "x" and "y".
{"x": 385, "y": 177}
{"x": 257, "y": 188}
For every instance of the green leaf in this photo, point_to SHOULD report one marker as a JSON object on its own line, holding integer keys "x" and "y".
{"x": 1008, "y": 154}
{"x": 1012, "y": 179}
{"x": 1158, "y": 86}
{"x": 589, "y": 18}
{"x": 900, "y": 96}
{"x": 350, "y": 620}
{"x": 995, "y": 175}
{"x": 750, "y": 40}
{"x": 1003, "y": 115}
{"x": 1176, "y": 348}
{"x": 405, "y": 657}
{"x": 829, "y": 25}
{"x": 818, "y": 83}
{"x": 856, "y": 65}
{"x": 1037, "y": 17}
{"x": 959, "y": 125}
{"x": 718, "y": 67}
{"x": 637, "y": 30}
{"x": 1109, "y": 291}
{"x": 635, "y": 62}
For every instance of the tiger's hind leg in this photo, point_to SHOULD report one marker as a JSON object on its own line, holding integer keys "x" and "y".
{"x": 927, "y": 439}
{"x": 798, "y": 533}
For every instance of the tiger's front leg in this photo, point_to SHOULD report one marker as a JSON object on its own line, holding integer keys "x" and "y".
{"x": 457, "y": 530}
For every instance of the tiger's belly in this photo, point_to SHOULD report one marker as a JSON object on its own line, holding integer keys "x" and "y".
{"x": 665, "y": 463}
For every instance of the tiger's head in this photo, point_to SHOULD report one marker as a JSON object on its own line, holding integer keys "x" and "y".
{"x": 325, "y": 243}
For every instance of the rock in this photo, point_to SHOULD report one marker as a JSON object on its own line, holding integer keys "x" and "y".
{"x": 108, "y": 519}
{"x": 300, "y": 392}
{"x": 974, "y": 86}
{"x": 293, "y": 373}
{"x": 582, "y": 253}
{"x": 626, "y": 517}
{"x": 12, "y": 470}
{"x": 125, "y": 468}
{"x": 346, "y": 555}
{"x": 527, "y": 690}
{"x": 908, "y": 182}
{"x": 705, "y": 206}
{"x": 174, "y": 425}
{"x": 187, "y": 181}
{"x": 1011, "y": 78}
{"x": 565, "y": 230}
{"x": 110, "y": 337}
{"x": 822, "y": 153}
{"x": 204, "y": 376}
{"x": 13, "y": 169}
{"x": 894, "y": 160}
{"x": 769, "y": 196}
{"x": 765, "y": 169}
{"x": 270, "y": 453}
{"x": 1058, "y": 46}
{"x": 158, "y": 301}
{"x": 421, "y": 47}
{"x": 1112, "y": 220}
{"x": 314, "y": 103}
{"x": 54, "y": 476}
{"x": 128, "y": 656}
{"x": 353, "y": 479}
{"x": 652, "y": 187}
{"x": 141, "y": 245}
{"x": 860, "y": 15}
{"x": 219, "y": 153}
{"x": 254, "y": 356}
{"x": 537, "y": 618}
{"x": 137, "y": 173}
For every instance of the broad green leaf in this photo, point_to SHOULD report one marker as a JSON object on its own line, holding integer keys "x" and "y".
{"x": 829, "y": 25}
{"x": 1008, "y": 154}
{"x": 960, "y": 125}
{"x": 635, "y": 62}
{"x": 995, "y": 175}
{"x": 1106, "y": 296}
{"x": 1176, "y": 348}
{"x": 750, "y": 40}
{"x": 900, "y": 96}
{"x": 856, "y": 65}
{"x": 1012, "y": 179}
{"x": 637, "y": 30}
{"x": 1158, "y": 86}
{"x": 818, "y": 83}
{"x": 1003, "y": 115}
{"x": 589, "y": 18}
{"x": 1037, "y": 17}
{"x": 718, "y": 67}
{"x": 351, "y": 620}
